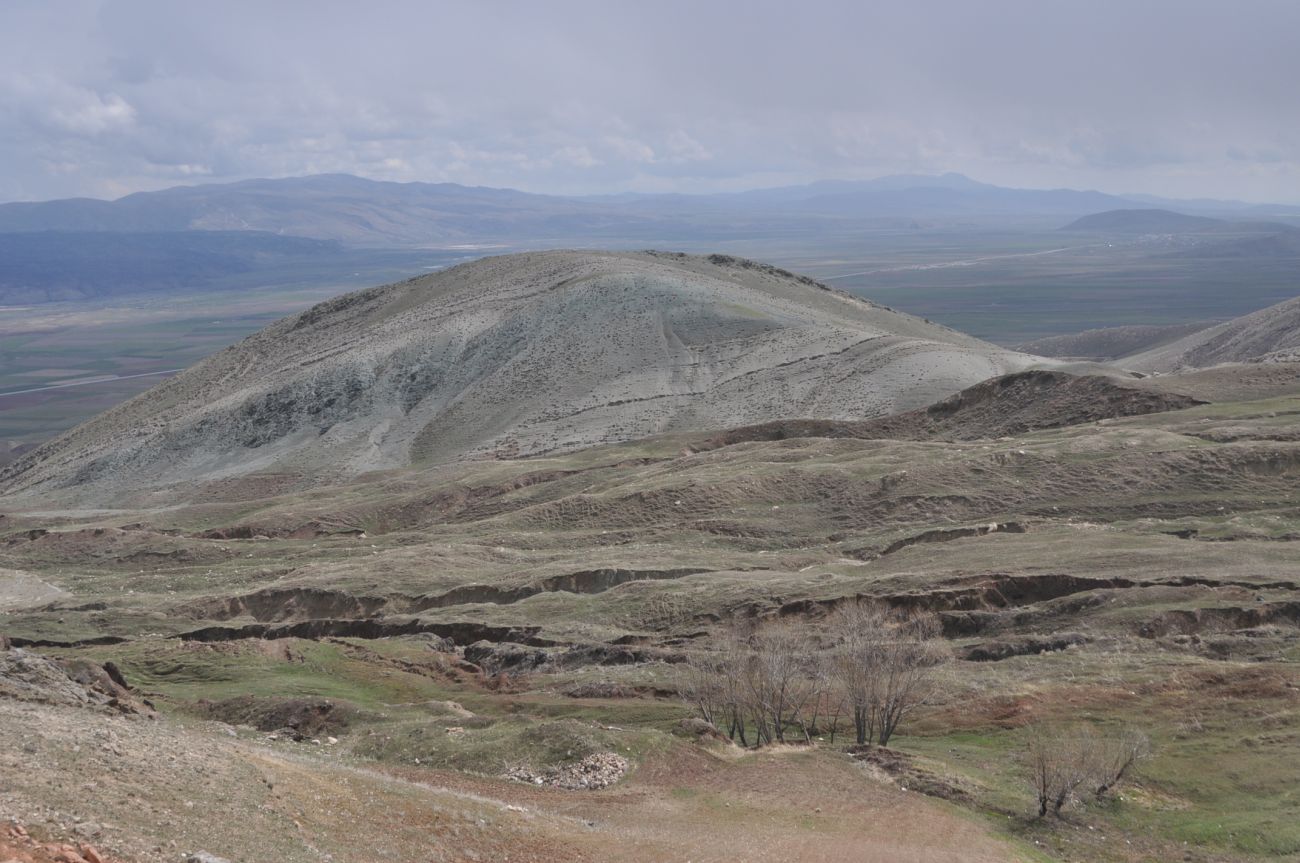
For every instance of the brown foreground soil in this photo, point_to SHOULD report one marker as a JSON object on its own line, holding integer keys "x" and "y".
{"x": 778, "y": 804}
{"x": 17, "y": 845}
{"x": 69, "y": 771}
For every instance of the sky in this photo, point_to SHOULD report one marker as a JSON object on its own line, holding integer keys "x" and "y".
{"x": 1182, "y": 98}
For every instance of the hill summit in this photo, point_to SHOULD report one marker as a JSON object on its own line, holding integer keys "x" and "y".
{"x": 509, "y": 356}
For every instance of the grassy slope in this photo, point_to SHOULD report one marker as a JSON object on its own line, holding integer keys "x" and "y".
{"x": 778, "y": 523}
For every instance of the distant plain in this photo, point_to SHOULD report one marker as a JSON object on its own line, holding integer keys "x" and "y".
{"x": 1007, "y": 280}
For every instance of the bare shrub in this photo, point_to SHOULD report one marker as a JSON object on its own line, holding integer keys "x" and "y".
{"x": 1117, "y": 756}
{"x": 1059, "y": 762}
{"x": 710, "y": 682}
{"x": 1063, "y": 760}
{"x": 883, "y": 662}
{"x": 759, "y": 685}
{"x": 777, "y": 680}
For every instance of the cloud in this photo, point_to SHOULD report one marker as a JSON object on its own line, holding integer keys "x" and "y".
{"x": 85, "y": 112}
{"x": 577, "y": 155}
{"x": 629, "y": 150}
{"x": 682, "y": 147}
{"x": 1169, "y": 96}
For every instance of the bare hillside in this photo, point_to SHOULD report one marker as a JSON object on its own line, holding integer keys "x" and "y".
{"x": 1269, "y": 335}
{"x": 1009, "y": 405}
{"x": 507, "y": 356}
{"x": 1108, "y": 343}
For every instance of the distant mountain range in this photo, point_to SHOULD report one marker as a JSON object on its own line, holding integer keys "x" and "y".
{"x": 325, "y": 207}
{"x": 360, "y": 212}
{"x": 901, "y": 196}
{"x": 234, "y": 235}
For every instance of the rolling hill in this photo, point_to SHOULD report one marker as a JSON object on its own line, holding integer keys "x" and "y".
{"x": 1109, "y": 343}
{"x": 515, "y": 355}
{"x": 1142, "y": 222}
{"x": 1269, "y": 335}
{"x": 1156, "y": 221}
{"x": 1280, "y": 245}
{"x": 403, "y": 648}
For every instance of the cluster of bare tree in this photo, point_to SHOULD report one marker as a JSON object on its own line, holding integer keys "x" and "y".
{"x": 1072, "y": 762}
{"x": 763, "y": 684}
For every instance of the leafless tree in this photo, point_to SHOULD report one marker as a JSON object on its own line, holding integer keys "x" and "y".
{"x": 709, "y": 682}
{"x": 778, "y": 682}
{"x": 909, "y": 655}
{"x": 733, "y": 654}
{"x": 883, "y": 660}
{"x": 854, "y": 661}
{"x": 700, "y": 684}
{"x": 776, "y": 679}
{"x": 828, "y": 704}
{"x": 762, "y": 681}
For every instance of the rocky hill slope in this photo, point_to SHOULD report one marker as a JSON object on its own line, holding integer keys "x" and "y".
{"x": 997, "y": 408}
{"x": 508, "y": 356}
{"x": 1269, "y": 335}
{"x": 1109, "y": 343}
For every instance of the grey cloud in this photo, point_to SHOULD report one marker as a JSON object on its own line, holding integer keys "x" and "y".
{"x": 1186, "y": 97}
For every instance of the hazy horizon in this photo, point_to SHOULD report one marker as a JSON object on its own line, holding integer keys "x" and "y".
{"x": 1134, "y": 195}
{"x": 101, "y": 98}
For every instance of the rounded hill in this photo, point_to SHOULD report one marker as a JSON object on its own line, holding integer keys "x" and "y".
{"x": 503, "y": 357}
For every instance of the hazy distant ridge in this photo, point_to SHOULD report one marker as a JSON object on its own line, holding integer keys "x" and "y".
{"x": 357, "y": 211}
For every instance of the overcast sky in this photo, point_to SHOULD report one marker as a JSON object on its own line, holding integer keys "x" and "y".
{"x": 1182, "y": 98}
